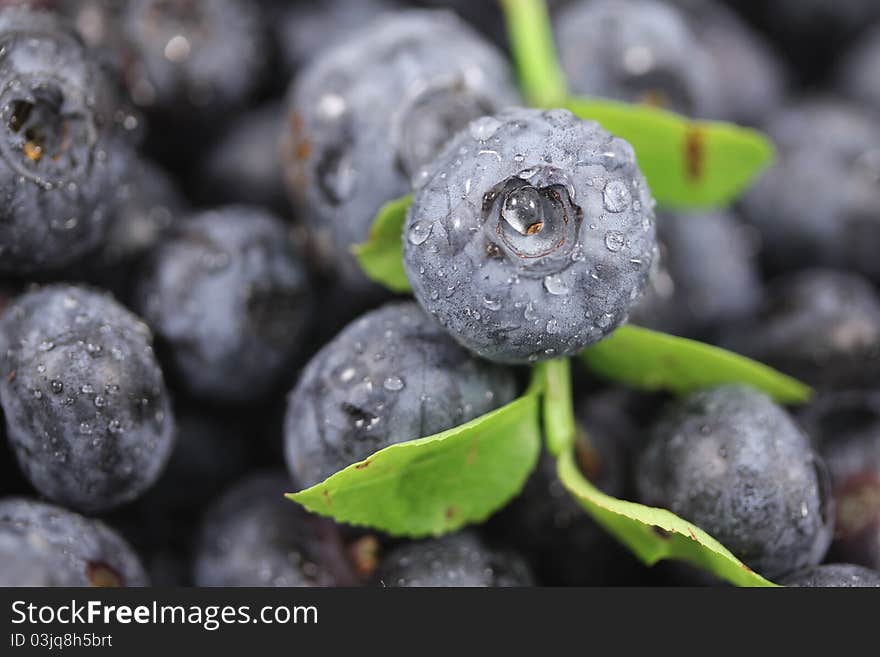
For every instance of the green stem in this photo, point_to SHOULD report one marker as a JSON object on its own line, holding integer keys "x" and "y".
{"x": 534, "y": 52}
{"x": 560, "y": 428}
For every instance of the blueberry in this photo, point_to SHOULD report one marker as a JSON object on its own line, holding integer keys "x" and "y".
{"x": 201, "y": 56}
{"x": 752, "y": 79}
{"x": 637, "y": 51}
{"x": 834, "y": 575}
{"x": 253, "y": 536}
{"x": 86, "y": 409}
{"x": 244, "y": 166}
{"x": 456, "y": 560}
{"x": 531, "y": 236}
{"x": 846, "y": 428}
{"x": 44, "y": 545}
{"x": 861, "y": 70}
{"x": 822, "y": 326}
{"x": 390, "y": 376}
{"x": 370, "y": 113}
{"x": 735, "y": 464}
{"x": 708, "y": 274}
{"x": 230, "y": 297}
{"x": 63, "y": 144}
{"x": 820, "y": 203}
{"x": 306, "y": 29}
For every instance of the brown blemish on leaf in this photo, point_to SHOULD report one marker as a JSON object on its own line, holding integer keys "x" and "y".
{"x": 361, "y": 466}
{"x": 693, "y": 535}
{"x": 451, "y": 512}
{"x": 326, "y": 494}
{"x": 662, "y": 533}
{"x": 694, "y": 153}
{"x": 472, "y": 453}
{"x": 100, "y": 574}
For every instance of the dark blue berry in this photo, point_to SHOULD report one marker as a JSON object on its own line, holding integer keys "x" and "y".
{"x": 86, "y": 408}
{"x": 735, "y": 464}
{"x": 531, "y": 236}
{"x": 229, "y": 295}
{"x": 390, "y": 376}
{"x": 45, "y": 545}
{"x": 834, "y": 575}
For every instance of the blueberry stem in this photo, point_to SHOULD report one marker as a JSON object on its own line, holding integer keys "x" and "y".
{"x": 534, "y": 52}
{"x": 559, "y": 423}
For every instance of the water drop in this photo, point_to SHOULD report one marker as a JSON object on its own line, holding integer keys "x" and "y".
{"x": 555, "y": 285}
{"x": 56, "y": 386}
{"x": 484, "y": 128}
{"x": 522, "y": 210}
{"x": 614, "y": 240}
{"x": 419, "y": 232}
{"x": 491, "y": 304}
{"x": 616, "y": 196}
{"x": 393, "y": 384}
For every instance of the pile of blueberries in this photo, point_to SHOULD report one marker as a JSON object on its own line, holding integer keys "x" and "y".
{"x": 181, "y": 314}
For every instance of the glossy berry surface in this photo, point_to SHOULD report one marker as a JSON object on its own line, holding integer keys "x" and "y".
{"x": 87, "y": 412}
{"x": 390, "y": 376}
{"x": 531, "y": 236}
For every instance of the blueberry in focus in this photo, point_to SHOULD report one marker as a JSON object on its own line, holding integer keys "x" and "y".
{"x": 819, "y": 325}
{"x": 63, "y": 144}
{"x": 640, "y": 51}
{"x": 45, "y": 545}
{"x": 834, "y": 575}
{"x": 531, "y": 236}
{"x": 86, "y": 409}
{"x": 229, "y": 295}
{"x": 391, "y": 375}
{"x": 455, "y": 560}
{"x": 254, "y": 536}
{"x": 736, "y": 465}
{"x": 845, "y": 426}
{"x": 188, "y": 56}
{"x": 368, "y": 115}
{"x": 819, "y": 205}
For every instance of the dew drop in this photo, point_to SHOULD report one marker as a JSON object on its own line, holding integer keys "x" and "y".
{"x": 616, "y": 196}
{"x": 393, "y": 384}
{"x": 555, "y": 285}
{"x": 614, "y": 240}
{"x": 484, "y": 128}
{"x": 419, "y": 232}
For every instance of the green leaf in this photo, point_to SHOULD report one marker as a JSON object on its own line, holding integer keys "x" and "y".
{"x": 649, "y": 360}
{"x": 687, "y": 163}
{"x": 654, "y": 534}
{"x": 437, "y": 484}
{"x": 534, "y": 51}
{"x": 381, "y": 256}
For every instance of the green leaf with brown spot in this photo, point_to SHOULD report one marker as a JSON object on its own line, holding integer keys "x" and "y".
{"x": 435, "y": 485}
{"x": 688, "y": 164}
{"x": 381, "y": 256}
{"x": 649, "y": 360}
{"x": 654, "y": 534}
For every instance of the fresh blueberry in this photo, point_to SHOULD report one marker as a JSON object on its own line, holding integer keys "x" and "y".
{"x": 229, "y": 296}
{"x": 735, "y": 464}
{"x": 244, "y": 166}
{"x": 822, "y": 326}
{"x": 368, "y": 115}
{"x": 531, "y": 236}
{"x": 390, "y": 376}
{"x": 861, "y": 70}
{"x": 846, "y": 428}
{"x": 305, "y": 29}
{"x": 86, "y": 409}
{"x": 44, "y": 545}
{"x": 63, "y": 144}
{"x": 752, "y": 78}
{"x": 457, "y": 560}
{"x": 637, "y": 51}
{"x": 820, "y": 203}
{"x": 253, "y": 536}
{"x": 204, "y": 57}
{"x": 834, "y": 575}
{"x": 708, "y": 274}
